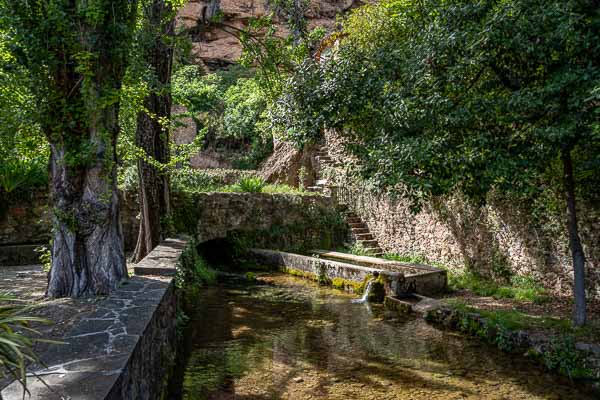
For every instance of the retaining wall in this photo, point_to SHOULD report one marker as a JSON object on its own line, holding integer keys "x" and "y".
{"x": 124, "y": 349}
{"x": 505, "y": 236}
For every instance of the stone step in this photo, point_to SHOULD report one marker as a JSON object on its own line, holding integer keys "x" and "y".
{"x": 358, "y": 231}
{"x": 368, "y": 243}
{"x": 322, "y": 182}
{"x": 317, "y": 189}
{"x": 374, "y": 251}
{"x": 363, "y": 236}
{"x": 353, "y": 220}
{"x": 357, "y": 225}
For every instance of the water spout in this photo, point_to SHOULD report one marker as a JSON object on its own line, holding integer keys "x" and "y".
{"x": 365, "y": 296}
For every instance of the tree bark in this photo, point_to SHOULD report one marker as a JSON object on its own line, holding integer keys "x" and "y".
{"x": 87, "y": 252}
{"x": 152, "y": 136}
{"x": 579, "y": 309}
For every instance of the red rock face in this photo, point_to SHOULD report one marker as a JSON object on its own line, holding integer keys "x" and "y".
{"x": 214, "y": 48}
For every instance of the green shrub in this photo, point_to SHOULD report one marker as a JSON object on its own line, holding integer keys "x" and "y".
{"x": 22, "y": 174}
{"x": 562, "y": 356}
{"x": 203, "y": 272}
{"x": 415, "y": 258}
{"x": 191, "y": 180}
{"x": 519, "y": 288}
{"x": 45, "y": 255}
{"x": 356, "y": 249}
{"x": 16, "y": 347}
{"x": 251, "y": 185}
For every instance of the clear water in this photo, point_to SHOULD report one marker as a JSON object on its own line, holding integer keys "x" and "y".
{"x": 287, "y": 338}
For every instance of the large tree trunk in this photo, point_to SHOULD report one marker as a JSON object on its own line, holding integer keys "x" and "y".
{"x": 579, "y": 310}
{"x": 152, "y": 136}
{"x": 87, "y": 252}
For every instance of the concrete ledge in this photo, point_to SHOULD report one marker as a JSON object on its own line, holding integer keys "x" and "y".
{"x": 327, "y": 269}
{"x": 419, "y": 278}
{"x": 398, "y": 283}
{"x": 375, "y": 262}
{"x": 124, "y": 349}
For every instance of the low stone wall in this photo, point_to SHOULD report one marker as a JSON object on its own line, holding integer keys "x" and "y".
{"x": 280, "y": 221}
{"x": 25, "y": 220}
{"x": 22, "y": 254}
{"x": 124, "y": 349}
{"x": 26, "y": 224}
{"x": 395, "y": 283}
{"x": 418, "y": 278}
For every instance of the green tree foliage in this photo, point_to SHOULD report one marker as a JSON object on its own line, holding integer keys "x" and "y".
{"x": 231, "y": 106}
{"x": 23, "y": 148}
{"x": 437, "y": 96}
{"x": 75, "y": 54}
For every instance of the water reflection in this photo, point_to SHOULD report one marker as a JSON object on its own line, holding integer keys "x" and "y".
{"x": 288, "y": 338}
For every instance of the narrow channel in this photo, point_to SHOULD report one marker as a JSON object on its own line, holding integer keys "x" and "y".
{"x": 283, "y": 337}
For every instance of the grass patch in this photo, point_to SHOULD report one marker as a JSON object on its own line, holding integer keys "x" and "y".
{"x": 500, "y": 327}
{"x": 517, "y": 320}
{"x": 518, "y": 288}
{"x": 414, "y": 259}
{"x": 356, "y": 249}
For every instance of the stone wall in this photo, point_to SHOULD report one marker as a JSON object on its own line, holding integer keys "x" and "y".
{"x": 290, "y": 166}
{"x": 397, "y": 283}
{"x": 500, "y": 238}
{"x": 122, "y": 349}
{"x": 27, "y": 221}
{"x": 271, "y": 220}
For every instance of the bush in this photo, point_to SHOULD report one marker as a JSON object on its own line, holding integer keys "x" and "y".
{"x": 207, "y": 180}
{"x": 15, "y": 347}
{"x": 252, "y": 185}
{"x": 520, "y": 287}
{"x": 18, "y": 174}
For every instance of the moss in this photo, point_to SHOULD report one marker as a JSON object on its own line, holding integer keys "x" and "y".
{"x": 347, "y": 285}
{"x": 400, "y": 308}
{"x": 299, "y": 273}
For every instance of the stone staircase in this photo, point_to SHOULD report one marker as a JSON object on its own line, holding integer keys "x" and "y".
{"x": 358, "y": 229}
{"x": 361, "y": 234}
{"x": 323, "y": 160}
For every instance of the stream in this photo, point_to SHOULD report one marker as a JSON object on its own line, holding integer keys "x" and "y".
{"x": 288, "y": 338}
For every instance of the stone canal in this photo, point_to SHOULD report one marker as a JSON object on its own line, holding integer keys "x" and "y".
{"x": 282, "y": 337}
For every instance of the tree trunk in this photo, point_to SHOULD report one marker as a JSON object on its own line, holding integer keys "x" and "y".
{"x": 151, "y": 134}
{"x": 87, "y": 252}
{"x": 579, "y": 310}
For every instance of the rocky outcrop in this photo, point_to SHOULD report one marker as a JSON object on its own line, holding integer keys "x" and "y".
{"x": 216, "y": 46}
{"x": 290, "y": 165}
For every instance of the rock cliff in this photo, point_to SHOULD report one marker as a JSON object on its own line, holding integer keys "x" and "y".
{"x": 215, "y": 48}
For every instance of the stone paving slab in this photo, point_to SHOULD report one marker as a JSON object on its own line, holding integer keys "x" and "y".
{"x": 114, "y": 338}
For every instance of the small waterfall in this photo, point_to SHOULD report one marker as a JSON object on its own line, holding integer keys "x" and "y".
{"x": 365, "y": 296}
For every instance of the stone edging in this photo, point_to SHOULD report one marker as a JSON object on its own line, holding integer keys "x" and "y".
{"x": 124, "y": 349}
